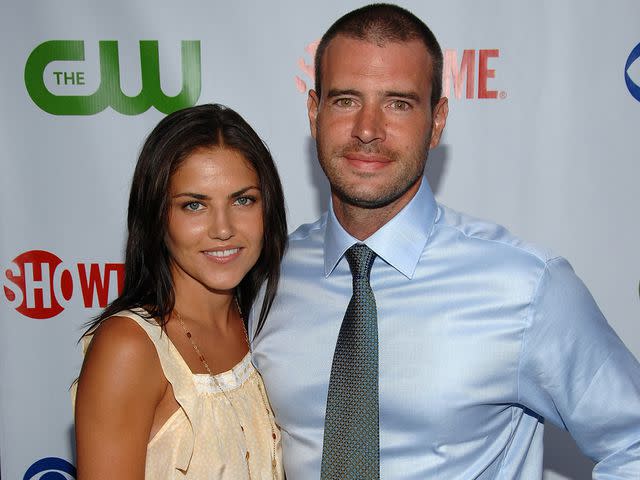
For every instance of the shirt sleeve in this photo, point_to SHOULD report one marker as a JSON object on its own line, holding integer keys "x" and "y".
{"x": 576, "y": 372}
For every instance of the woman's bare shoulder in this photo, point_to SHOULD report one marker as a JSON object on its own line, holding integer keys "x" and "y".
{"x": 121, "y": 354}
{"x": 119, "y": 389}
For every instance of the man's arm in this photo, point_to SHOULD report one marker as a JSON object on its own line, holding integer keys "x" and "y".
{"x": 576, "y": 372}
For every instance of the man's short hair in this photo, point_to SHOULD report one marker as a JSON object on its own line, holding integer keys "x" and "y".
{"x": 380, "y": 23}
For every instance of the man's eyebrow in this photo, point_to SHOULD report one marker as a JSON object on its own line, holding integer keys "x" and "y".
{"x": 405, "y": 95}
{"x": 335, "y": 92}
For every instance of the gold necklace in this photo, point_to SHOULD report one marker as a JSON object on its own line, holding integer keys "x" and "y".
{"x": 247, "y": 455}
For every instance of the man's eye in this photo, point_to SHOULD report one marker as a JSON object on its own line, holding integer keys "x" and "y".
{"x": 244, "y": 201}
{"x": 345, "y": 102}
{"x": 400, "y": 105}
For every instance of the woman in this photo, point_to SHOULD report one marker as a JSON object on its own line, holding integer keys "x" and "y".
{"x": 167, "y": 389}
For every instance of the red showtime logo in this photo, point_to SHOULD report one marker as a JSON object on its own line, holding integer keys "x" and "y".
{"x": 41, "y": 285}
{"x": 465, "y": 73}
{"x": 475, "y": 68}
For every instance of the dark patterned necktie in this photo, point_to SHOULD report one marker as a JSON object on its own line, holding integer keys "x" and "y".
{"x": 351, "y": 449}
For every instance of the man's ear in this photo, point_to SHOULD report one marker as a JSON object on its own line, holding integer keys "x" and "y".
{"x": 313, "y": 102}
{"x": 439, "y": 120}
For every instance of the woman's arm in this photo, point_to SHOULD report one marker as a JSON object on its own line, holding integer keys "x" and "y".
{"x": 120, "y": 386}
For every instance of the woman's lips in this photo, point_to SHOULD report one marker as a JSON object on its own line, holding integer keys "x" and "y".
{"x": 222, "y": 256}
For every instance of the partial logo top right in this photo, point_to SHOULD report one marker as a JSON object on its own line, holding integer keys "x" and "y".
{"x": 634, "y": 88}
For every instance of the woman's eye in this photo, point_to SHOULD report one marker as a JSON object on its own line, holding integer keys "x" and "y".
{"x": 244, "y": 201}
{"x": 193, "y": 206}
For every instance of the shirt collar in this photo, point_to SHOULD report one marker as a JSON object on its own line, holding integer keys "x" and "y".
{"x": 399, "y": 242}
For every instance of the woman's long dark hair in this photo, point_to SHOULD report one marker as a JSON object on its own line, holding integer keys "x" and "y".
{"x": 148, "y": 283}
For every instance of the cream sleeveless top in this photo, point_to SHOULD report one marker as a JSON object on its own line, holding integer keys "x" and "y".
{"x": 203, "y": 440}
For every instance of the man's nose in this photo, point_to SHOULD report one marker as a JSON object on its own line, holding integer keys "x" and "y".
{"x": 369, "y": 124}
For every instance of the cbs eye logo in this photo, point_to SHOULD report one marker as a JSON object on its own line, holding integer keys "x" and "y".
{"x": 634, "y": 88}
{"x": 50, "y": 468}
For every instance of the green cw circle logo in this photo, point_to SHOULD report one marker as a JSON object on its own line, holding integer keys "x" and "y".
{"x": 109, "y": 92}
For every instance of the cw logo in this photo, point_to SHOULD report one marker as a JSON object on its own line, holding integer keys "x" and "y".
{"x": 41, "y": 285}
{"x": 109, "y": 93}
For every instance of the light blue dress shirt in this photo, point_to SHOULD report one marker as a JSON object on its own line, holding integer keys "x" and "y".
{"x": 481, "y": 338}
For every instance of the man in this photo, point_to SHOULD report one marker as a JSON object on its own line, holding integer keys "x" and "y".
{"x": 445, "y": 358}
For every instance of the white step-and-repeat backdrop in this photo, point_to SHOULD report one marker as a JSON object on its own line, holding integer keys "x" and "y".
{"x": 543, "y": 136}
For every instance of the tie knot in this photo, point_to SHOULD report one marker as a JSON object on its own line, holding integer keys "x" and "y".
{"x": 360, "y": 258}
